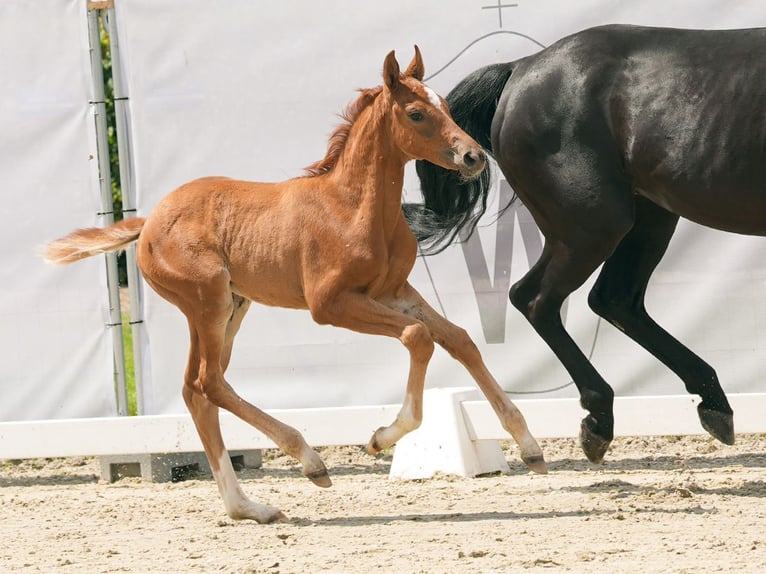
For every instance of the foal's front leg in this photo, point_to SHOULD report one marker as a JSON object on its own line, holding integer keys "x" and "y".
{"x": 460, "y": 345}
{"x": 358, "y": 312}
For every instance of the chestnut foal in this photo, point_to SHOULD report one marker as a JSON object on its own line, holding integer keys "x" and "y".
{"x": 333, "y": 241}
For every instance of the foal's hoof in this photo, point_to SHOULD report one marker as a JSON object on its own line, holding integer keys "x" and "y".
{"x": 319, "y": 477}
{"x": 261, "y": 513}
{"x": 278, "y": 517}
{"x": 719, "y": 425}
{"x": 593, "y": 444}
{"x": 536, "y": 463}
{"x": 374, "y": 447}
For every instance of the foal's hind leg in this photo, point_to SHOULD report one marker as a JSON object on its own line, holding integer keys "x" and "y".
{"x": 459, "y": 344}
{"x": 618, "y": 296}
{"x": 214, "y": 314}
{"x": 205, "y": 416}
{"x": 211, "y": 326}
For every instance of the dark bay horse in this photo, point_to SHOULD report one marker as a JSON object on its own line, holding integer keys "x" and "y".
{"x": 333, "y": 242}
{"x": 608, "y": 137}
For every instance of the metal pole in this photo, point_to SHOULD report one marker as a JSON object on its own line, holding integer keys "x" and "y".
{"x": 107, "y": 209}
{"x": 121, "y": 113}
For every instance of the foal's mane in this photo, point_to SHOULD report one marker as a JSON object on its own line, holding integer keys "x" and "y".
{"x": 339, "y": 136}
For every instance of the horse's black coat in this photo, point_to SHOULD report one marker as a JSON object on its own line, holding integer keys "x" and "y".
{"x": 608, "y": 137}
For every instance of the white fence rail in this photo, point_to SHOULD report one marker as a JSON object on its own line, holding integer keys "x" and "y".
{"x": 443, "y": 431}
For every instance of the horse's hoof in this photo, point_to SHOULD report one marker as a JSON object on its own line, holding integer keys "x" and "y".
{"x": 536, "y": 464}
{"x": 593, "y": 444}
{"x": 319, "y": 477}
{"x": 719, "y": 425}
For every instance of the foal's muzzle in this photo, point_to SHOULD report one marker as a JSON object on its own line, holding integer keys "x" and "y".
{"x": 472, "y": 163}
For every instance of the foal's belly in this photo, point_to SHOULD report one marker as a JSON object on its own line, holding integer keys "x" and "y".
{"x": 268, "y": 285}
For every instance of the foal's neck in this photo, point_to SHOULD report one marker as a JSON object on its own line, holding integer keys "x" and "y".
{"x": 371, "y": 167}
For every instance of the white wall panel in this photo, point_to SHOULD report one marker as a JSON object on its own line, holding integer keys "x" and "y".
{"x": 56, "y": 352}
{"x": 251, "y": 90}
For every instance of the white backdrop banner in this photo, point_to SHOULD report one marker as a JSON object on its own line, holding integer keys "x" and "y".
{"x": 251, "y": 90}
{"x": 56, "y": 350}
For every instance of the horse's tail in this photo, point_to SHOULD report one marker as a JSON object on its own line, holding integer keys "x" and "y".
{"x": 84, "y": 243}
{"x": 451, "y": 203}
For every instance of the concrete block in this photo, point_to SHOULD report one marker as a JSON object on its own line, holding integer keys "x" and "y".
{"x": 169, "y": 467}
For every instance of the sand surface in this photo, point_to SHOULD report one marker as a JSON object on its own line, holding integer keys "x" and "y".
{"x": 671, "y": 504}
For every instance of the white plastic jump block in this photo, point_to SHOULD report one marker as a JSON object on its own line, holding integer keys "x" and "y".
{"x": 443, "y": 442}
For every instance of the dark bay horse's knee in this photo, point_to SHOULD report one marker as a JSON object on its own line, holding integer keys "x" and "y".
{"x": 523, "y": 300}
{"x": 613, "y": 304}
{"x": 538, "y": 308}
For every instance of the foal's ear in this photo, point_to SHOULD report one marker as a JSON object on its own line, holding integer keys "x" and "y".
{"x": 416, "y": 69}
{"x": 391, "y": 71}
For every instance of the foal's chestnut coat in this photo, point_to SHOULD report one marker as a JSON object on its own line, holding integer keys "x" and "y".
{"x": 333, "y": 242}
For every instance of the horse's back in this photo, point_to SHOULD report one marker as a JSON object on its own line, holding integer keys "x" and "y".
{"x": 218, "y": 228}
{"x": 682, "y": 112}
{"x": 617, "y": 70}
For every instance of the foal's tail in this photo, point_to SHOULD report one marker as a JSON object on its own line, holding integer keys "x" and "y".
{"x": 85, "y": 243}
{"x": 451, "y": 203}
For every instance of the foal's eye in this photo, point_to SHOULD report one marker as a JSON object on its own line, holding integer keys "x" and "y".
{"x": 415, "y": 116}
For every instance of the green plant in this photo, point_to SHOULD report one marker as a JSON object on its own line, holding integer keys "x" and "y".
{"x": 130, "y": 371}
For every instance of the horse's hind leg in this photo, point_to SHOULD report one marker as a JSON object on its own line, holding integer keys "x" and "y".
{"x": 539, "y": 296}
{"x": 618, "y": 296}
{"x": 459, "y": 344}
{"x": 583, "y": 205}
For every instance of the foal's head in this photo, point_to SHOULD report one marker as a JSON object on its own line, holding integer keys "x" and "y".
{"x": 421, "y": 123}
